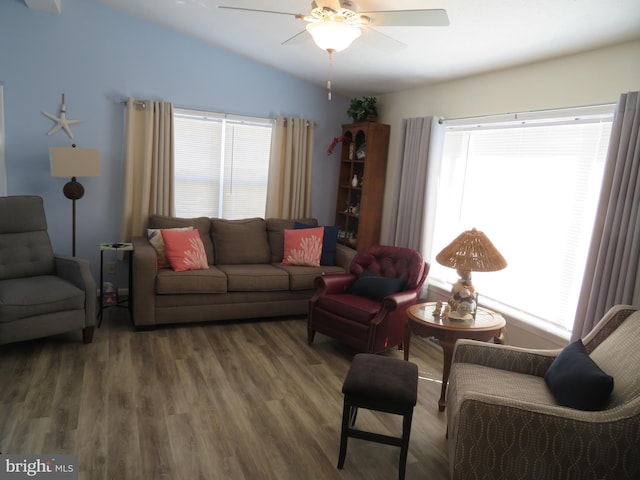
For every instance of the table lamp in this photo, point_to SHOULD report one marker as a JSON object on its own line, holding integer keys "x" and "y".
{"x": 471, "y": 251}
{"x": 71, "y": 163}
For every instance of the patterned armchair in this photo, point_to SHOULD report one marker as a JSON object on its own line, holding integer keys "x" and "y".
{"x": 366, "y": 308}
{"x": 504, "y": 423}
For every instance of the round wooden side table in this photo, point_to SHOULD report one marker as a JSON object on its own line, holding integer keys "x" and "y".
{"x": 486, "y": 326}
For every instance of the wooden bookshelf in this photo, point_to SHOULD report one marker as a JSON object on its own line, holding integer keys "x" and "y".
{"x": 359, "y": 204}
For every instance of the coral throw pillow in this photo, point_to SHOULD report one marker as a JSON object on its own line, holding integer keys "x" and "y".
{"x": 329, "y": 242}
{"x": 155, "y": 239}
{"x": 184, "y": 250}
{"x": 303, "y": 247}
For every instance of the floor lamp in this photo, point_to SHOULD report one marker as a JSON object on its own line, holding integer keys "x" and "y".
{"x": 74, "y": 162}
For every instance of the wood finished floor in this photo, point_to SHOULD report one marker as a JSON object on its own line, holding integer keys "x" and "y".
{"x": 244, "y": 400}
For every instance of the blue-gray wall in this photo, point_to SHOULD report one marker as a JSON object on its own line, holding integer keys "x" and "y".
{"x": 98, "y": 56}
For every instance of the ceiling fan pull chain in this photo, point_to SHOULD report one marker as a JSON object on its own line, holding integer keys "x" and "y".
{"x": 330, "y": 50}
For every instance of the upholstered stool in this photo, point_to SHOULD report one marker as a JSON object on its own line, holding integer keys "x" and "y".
{"x": 383, "y": 384}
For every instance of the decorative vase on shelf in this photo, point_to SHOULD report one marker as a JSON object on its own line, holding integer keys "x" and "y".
{"x": 354, "y": 180}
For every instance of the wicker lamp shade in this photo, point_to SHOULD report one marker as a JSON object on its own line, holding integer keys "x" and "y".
{"x": 472, "y": 251}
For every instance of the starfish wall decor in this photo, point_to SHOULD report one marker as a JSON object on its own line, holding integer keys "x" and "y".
{"x": 62, "y": 122}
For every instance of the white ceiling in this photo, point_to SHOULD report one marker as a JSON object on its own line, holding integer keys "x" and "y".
{"x": 483, "y": 35}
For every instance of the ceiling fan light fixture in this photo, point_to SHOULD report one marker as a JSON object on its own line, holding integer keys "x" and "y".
{"x": 333, "y": 35}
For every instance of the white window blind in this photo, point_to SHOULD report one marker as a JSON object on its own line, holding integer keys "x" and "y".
{"x": 532, "y": 186}
{"x": 221, "y": 164}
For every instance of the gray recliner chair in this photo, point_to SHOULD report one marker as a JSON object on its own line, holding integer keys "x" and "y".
{"x": 41, "y": 294}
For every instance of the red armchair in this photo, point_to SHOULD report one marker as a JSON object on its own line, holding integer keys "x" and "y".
{"x": 366, "y": 308}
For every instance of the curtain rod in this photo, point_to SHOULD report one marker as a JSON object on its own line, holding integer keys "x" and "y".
{"x": 307, "y": 124}
{"x": 530, "y": 113}
{"x": 137, "y": 103}
{"x": 143, "y": 104}
{"x": 231, "y": 116}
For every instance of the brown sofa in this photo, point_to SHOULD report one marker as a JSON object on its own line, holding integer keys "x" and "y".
{"x": 245, "y": 278}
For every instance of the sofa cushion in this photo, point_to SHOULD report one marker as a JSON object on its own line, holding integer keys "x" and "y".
{"x": 154, "y": 236}
{"x": 275, "y": 230}
{"x": 303, "y": 247}
{"x": 329, "y": 242}
{"x": 576, "y": 381}
{"x": 184, "y": 250}
{"x": 476, "y": 381}
{"x": 39, "y": 295}
{"x": 210, "y": 280}
{"x": 238, "y": 242}
{"x": 303, "y": 277}
{"x": 255, "y": 278}
{"x": 202, "y": 224}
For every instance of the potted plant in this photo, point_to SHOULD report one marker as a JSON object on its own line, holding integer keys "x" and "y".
{"x": 363, "y": 108}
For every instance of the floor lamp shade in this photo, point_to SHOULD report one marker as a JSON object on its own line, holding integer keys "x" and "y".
{"x": 74, "y": 162}
{"x": 71, "y": 163}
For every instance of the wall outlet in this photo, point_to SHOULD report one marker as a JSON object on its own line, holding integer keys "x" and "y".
{"x": 111, "y": 268}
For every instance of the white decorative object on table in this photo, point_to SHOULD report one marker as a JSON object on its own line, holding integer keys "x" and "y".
{"x": 62, "y": 122}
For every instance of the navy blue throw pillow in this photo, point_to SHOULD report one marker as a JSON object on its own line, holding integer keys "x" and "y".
{"x": 329, "y": 242}
{"x": 376, "y": 287}
{"x": 576, "y": 381}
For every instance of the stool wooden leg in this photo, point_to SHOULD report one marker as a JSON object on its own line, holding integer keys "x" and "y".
{"x": 404, "y": 448}
{"x": 344, "y": 433}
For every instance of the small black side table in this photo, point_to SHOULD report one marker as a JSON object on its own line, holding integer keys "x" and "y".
{"x": 127, "y": 302}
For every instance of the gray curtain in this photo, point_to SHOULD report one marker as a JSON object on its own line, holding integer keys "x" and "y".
{"x": 613, "y": 263}
{"x": 413, "y": 214}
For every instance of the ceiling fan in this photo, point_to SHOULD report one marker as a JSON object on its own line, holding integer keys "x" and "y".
{"x": 335, "y": 24}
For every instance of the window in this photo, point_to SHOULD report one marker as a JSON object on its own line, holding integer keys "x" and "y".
{"x": 221, "y": 164}
{"x": 532, "y": 185}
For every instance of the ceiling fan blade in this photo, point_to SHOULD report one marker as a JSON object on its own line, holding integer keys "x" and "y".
{"x": 410, "y": 18}
{"x": 257, "y": 10}
{"x": 381, "y": 41}
{"x": 298, "y": 38}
